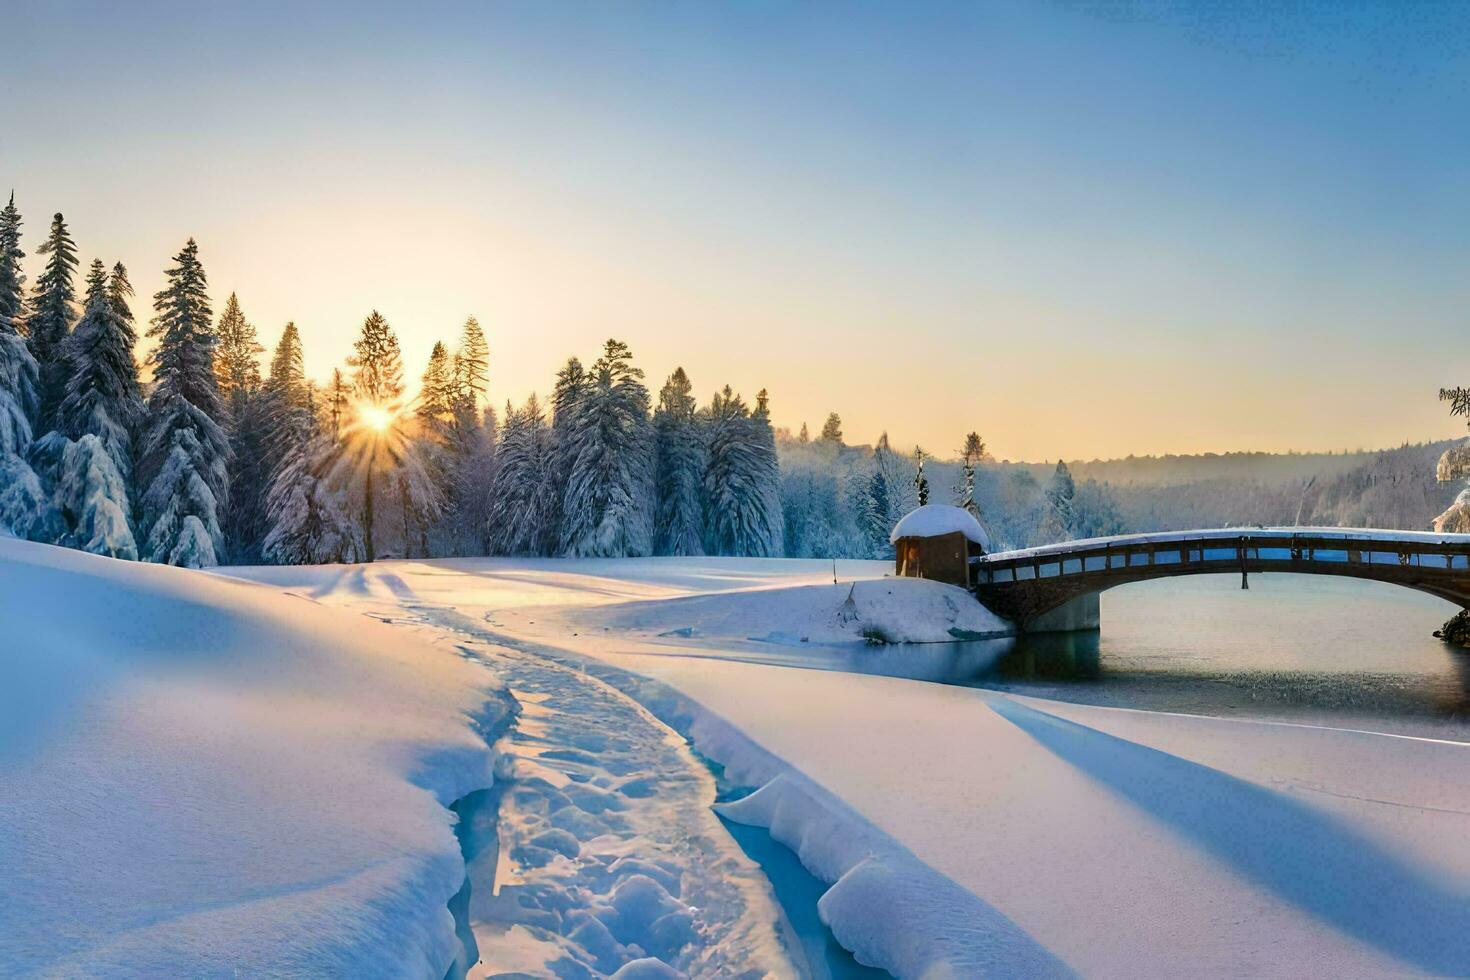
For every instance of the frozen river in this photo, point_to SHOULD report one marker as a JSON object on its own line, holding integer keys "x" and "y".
{"x": 1292, "y": 647}
{"x": 1299, "y": 647}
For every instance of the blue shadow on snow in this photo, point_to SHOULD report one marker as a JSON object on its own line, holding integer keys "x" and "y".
{"x": 1305, "y": 856}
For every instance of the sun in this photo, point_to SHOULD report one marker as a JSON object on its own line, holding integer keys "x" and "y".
{"x": 375, "y": 418}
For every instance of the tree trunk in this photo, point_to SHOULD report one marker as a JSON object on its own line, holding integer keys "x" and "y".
{"x": 368, "y": 515}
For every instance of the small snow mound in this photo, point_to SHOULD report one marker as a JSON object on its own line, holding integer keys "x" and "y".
{"x": 647, "y": 969}
{"x": 932, "y": 520}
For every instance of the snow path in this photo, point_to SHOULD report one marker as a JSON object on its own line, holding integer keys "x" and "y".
{"x": 608, "y": 850}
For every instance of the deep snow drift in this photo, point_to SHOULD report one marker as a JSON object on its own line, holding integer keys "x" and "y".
{"x": 205, "y": 777}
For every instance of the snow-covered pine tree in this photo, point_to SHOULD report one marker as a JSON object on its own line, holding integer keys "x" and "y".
{"x": 102, "y": 395}
{"x": 25, "y": 507}
{"x": 525, "y": 492}
{"x": 289, "y": 412}
{"x": 426, "y": 480}
{"x": 874, "y": 511}
{"x": 883, "y": 499}
{"x": 567, "y": 395}
{"x": 306, "y": 522}
{"x": 184, "y": 454}
{"x": 377, "y": 363}
{"x": 472, "y": 361}
{"x": 804, "y": 436}
{"x": 236, "y": 355}
{"x": 91, "y": 496}
{"x": 336, "y": 404}
{"x": 970, "y": 455}
{"x": 12, "y": 274}
{"x": 679, "y": 464}
{"x": 237, "y": 374}
{"x": 832, "y": 429}
{"x": 766, "y": 476}
{"x": 572, "y": 383}
{"x": 921, "y": 482}
{"x": 53, "y": 311}
{"x": 101, "y": 409}
{"x": 740, "y": 482}
{"x": 1058, "y": 521}
{"x": 436, "y": 393}
{"x": 421, "y": 497}
{"x": 607, "y": 510}
{"x": 377, "y": 382}
{"x": 469, "y": 448}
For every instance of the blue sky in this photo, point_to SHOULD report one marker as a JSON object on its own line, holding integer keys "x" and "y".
{"x": 1083, "y": 229}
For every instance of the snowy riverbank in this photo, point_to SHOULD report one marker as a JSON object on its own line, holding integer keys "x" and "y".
{"x": 996, "y": 833}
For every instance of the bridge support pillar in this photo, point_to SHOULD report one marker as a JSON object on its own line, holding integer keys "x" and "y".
{"x": 1081, "y": 613}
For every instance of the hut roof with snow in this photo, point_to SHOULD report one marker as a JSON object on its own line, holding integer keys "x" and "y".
{"x": 937, "y": 541}
{"x": 934, "y": 520}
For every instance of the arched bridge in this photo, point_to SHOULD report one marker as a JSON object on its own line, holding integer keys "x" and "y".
{"x": 1026, "y": 585}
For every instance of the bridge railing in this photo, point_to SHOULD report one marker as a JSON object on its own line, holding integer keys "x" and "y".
{"x": 1226, "y": 551}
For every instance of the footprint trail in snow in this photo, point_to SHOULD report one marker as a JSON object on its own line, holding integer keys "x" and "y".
{"x": 597, "y": 851}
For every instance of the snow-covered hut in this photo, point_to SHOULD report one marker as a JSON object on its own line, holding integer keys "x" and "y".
{"x": 936, "y": 541}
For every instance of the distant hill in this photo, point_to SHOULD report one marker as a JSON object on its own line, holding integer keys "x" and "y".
{"x": 1267, "y": 468}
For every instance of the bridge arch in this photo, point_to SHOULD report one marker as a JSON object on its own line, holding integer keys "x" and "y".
{"x": 1026, "y": 585}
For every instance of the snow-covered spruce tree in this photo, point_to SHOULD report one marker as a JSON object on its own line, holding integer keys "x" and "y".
{"x": 308, "y": 522}
{"x": 377, "y": 382}
{"x": 525, "y": 492}
{"x": 101, "y": 409}
{"x": 25, "y": 507}
{"x": 102, "y": 395}
{"x": 334, "y": 406}
{"x": 971, "y": 454}
{"x": 472, "y": 361}
{"x": 436, "y": 392}
{"x": 679, "y": 465}
{"x": 567, "y": 394}
{"x": 1058, "y": 522}
{"x": 184, "y": 455}
{"x": 237, "y": 373}
{"x": 305, "y": 520}
{"x": 607, "y": 510}
{"x": 921, "y": 482}
{"x": 766, "y": 471}
{"x": 236, "y": 355}
{"x": 91, "y": 497}
{"x": 53, "y": 311}
{"x": 469, "y": 445}
{"x": 832, "y": 429}
{"x": 741, "y": 482}
{"x": 288, "y": 411}
{"x": 882, "y": 499}
{"x": 12, "y": 274}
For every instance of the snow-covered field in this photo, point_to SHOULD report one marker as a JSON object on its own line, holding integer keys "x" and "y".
{"x": 963, "y": 832}
{"x": 202, "y": 777}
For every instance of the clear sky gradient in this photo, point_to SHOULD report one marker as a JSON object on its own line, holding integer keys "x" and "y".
{"x": 1082, "y": 229}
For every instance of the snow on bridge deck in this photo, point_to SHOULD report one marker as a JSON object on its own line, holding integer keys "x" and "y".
{"x": 1121, "y": 541}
